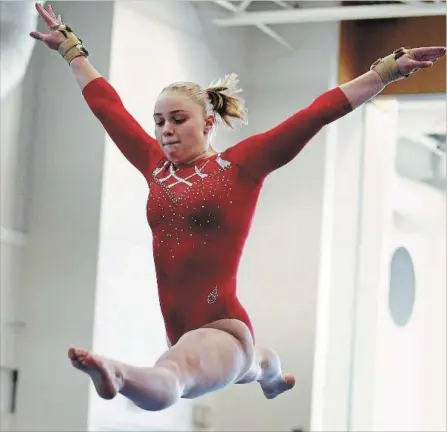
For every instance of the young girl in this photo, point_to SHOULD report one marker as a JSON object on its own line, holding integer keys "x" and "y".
{"x": 199, "y": 210}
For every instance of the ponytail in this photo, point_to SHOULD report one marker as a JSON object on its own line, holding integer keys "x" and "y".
{"x": 224, "y": 99}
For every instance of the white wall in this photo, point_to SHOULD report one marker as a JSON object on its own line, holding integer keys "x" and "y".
{"x": 14, "y": 149}
{"x": 63, "y": 189}
{"x": 17, "y": 20}
{"x": 11, "y": 245}
{"x": 409, "y": 368}
{"x": 410, "y": 373}
{"x": 332, "y": 367}
{"x": 373, "y": 374}
{"x": 11, "y": 171}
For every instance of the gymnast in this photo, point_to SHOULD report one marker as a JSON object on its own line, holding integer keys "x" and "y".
{"x": 200, "y": 209}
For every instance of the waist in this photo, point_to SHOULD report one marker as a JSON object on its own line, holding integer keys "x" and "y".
{"x": 195, "y": 271}
{"x": 199, "y": 288}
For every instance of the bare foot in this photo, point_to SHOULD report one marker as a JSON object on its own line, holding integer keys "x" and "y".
{"x": 105, "y": 375}
{"x": 276, "y": 387}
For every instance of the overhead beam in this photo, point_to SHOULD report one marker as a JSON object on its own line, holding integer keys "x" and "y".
{"x": 268, "y": 31}
{"x": 264, "y": 28}
{"x": 243, "y": 6}
{"x": 226, "y": 5}
{"x": 341, "y": 13}
{"x": 283, "y": 4}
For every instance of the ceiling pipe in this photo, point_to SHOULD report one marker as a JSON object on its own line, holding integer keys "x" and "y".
{"x": 341, "y": 13}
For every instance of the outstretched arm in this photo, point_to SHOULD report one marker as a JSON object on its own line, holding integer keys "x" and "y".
{"x": 135, "y": 144}
{"x": 365, "y": 87}
{"x": 83, "y": 71}
{"x": 362, "y": 89}
{"x": 265, "y": 152}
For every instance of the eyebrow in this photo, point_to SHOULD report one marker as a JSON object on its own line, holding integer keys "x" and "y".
{"x": 171, "y": 112}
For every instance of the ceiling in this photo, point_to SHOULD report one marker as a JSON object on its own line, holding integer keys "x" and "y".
{"x": 263, "y": 14}
{"x": 250, "y": 12}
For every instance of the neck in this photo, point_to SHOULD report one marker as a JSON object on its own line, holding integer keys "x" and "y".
{"x": 204, "y": 154}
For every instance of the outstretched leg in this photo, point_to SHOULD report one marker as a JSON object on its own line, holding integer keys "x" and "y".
{"x": 266, "y": 369}
{"x": 202, "y": 361}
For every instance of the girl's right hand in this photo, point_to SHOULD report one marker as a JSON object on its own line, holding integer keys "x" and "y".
{"x": 53, "y": 38}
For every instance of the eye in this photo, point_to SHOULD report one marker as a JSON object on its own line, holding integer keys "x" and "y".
{"x": 179, "y": 120}
{"x": 159, "y": 122}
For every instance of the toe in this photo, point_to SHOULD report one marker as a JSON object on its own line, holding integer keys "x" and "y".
{"x": 82, "y": 353}
{"x": 76, "y": 352}
{"x": 72, "y": 353}
{"x": 289, "y": 381}
{"x": 91, "y": 361}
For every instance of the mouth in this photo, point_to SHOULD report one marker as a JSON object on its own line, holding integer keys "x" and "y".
{"x": 171, "y": 143}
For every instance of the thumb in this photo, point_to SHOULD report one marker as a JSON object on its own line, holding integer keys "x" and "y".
{"x": 38, "y": 36}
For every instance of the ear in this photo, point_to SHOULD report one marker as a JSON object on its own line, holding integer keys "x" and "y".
{"x": 209, "y": 123}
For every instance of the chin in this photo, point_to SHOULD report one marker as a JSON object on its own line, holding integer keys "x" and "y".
{"x": 174, "y": 156}
{"x": 175, "y": 160}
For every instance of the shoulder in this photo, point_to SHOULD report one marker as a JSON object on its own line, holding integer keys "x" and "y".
{"x": 238, "y": 158}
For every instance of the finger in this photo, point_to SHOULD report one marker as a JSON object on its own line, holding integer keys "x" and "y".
{"x": 57, "y": 18}
{"x": 429, "y": 57}
{"x": 421, "y": 64}
{"x": 429, "y": 52}
{"x": 42, "y": 12}
{"x": 426, "y": 64}
{"x": 39, "y": 36}
{"x": 441, "y": 53}
{"x": 50, "y": 11}
{"x": 49, "y": 21}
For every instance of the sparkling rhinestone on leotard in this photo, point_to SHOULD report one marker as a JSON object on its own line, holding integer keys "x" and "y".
{"x": 182, "y": 198}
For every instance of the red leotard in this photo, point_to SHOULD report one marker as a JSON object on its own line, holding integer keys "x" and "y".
{"x": 200, "y": 216}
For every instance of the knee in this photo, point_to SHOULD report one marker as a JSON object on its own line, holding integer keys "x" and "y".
{"x": 168, "y": 393}
{"x": 160, "y": 403}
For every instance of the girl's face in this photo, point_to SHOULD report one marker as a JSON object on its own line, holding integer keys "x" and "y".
{"x": 181, "y": 127}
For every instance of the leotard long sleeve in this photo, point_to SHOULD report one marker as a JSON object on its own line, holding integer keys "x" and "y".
{"x": 140, "y": 149}
{"x": 200, "y": 216}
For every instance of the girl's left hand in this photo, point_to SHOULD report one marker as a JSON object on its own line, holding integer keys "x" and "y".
{"x": 419, "y": 58}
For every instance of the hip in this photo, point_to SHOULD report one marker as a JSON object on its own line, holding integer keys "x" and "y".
{"x": 193, "y": 315}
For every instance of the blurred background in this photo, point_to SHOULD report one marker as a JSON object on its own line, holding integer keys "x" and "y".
{"x": 344, "y": 271}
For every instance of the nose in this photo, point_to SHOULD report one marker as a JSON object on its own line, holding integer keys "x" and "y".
{"x": 168, "y": 130}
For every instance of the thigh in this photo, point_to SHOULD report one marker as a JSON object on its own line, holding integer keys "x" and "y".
{"x": 210, "y": 358}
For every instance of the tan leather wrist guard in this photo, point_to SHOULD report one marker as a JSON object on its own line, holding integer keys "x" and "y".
{"x": 387, "y": 67}
{"x": 72, "y": 46}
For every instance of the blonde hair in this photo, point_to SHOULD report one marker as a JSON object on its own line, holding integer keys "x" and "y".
{"x": 221, "y": 99}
